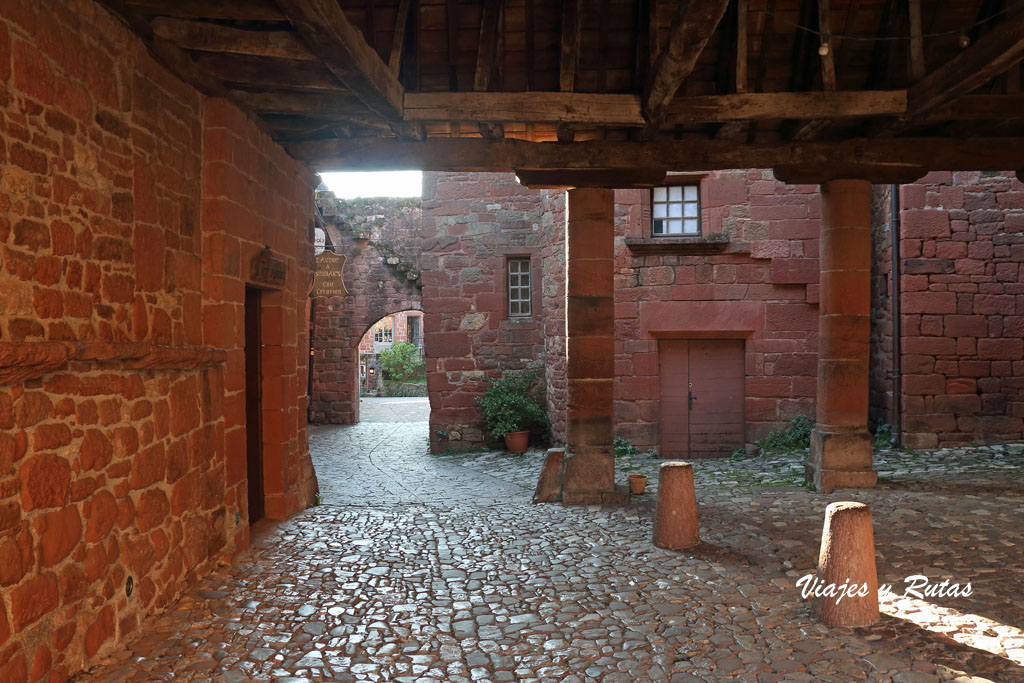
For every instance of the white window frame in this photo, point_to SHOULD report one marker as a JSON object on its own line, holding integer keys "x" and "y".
{"x": 384, "y": 331}
{"x": 675, "y": 211}
{"x": 519, "y": 287}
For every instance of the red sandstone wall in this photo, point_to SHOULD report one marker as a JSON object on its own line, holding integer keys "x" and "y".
{"x": 762, "y": 287}
{"x": 962, "y": 244}
{"x": 125, "y": 232}
{"x": 553, "y": 292}
{"x": 381, "y": 239}
{"x": 471, "y": 224}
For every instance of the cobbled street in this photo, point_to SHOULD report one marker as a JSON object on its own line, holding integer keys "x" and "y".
{"x": 427, "y": 568}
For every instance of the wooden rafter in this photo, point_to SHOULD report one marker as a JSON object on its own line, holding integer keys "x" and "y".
{"x": 208, "y": 37}
{"x": 863, "y": 157}
{"x": 569, "y": 59}
{"x": 990, "y": 56}
{"x": 625, "y": 110}
{"x": 828, "y": 65}
{"x": 268, "y": 73}
{"x": 451, "y": 9}
{"x": 916, "y": 66}
{"x": 341, "y": 47}
{"x": 398, "y": 37}
{"x": 488, "y": 59}
{"x": 691, "y": 29}
{"x": 237, "y": 10}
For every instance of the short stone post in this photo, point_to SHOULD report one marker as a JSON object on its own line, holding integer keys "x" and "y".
{"x": 549, "y": 485}
{"x": 675, "y": 521}
{"x": 847, "y": 558}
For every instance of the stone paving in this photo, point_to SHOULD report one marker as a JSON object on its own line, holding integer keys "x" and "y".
{"x": 425, "y": 568}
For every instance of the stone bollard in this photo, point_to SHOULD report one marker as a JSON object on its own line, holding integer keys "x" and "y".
{"x": 675, "y": 522}
{"x": 549, "y": 485}
{"x": 847, "y": 559}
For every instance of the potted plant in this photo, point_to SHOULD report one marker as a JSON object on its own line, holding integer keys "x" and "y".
{"x": 510, "y": 409}
{"x": 637, "y": 483}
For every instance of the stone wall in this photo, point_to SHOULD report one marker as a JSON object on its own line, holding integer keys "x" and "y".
{"x": 471, "y": 224}
{"x": 381, "y": 241}
{"x": 755, "y": 277}
{"x": 962, "y": 244}
{"x": 130, "y": 206}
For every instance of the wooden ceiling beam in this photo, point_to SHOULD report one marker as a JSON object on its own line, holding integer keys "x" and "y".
{"x": 322, "y": 25}
{"x": 236, "y": 10}
{"x": 625, "y": 110}
{"x": 267, "y": 73}
{"x": 488, "y": 60}
{"x": 692, "y": 27}
{"x": 164, "y": 51}
{"x": 569, "y": 59}
{"x": 861, "y": 155}
{"x": 207, "y": 37}
{"x": 398, "y": 37}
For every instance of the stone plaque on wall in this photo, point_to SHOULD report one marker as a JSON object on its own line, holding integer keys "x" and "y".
{"x": 328, "y": 282}
{"x": 268, "y": 270}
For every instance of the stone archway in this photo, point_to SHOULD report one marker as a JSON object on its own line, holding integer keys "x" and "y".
{"x": 381, "y": 274}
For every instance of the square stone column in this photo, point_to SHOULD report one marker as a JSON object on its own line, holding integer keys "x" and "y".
{"x": 841, "y": 446}
{"x": 589, "y": 475}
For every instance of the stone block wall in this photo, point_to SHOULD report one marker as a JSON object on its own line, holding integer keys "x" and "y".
{"x": 130, "y": 206}
{"x": 755, "y": 278}
{"x": 381, "y": 241}
{"x": 471, "y": 224}
{"x": 961, "y": 249}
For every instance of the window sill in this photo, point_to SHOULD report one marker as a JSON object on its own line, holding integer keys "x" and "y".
{"x": 686, "y": 245}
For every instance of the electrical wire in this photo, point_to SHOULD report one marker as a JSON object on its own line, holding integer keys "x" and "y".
{"x": 871, "y": 39}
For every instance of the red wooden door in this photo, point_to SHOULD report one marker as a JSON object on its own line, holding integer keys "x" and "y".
{"x": 702, "y": 397}
{"x": 673, "y": 357}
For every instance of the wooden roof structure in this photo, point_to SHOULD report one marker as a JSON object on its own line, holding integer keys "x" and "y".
{"x": 820, "y": 87}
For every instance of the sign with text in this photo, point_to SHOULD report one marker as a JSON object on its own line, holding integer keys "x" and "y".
{"x": 328, "y": 282}
{"x": 268, "y": 270}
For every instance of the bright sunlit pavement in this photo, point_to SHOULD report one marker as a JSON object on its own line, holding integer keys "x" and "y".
{"x": 351, "y": 185}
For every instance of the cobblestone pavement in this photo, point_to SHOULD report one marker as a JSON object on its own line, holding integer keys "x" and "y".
{"x": 419, "y": 568}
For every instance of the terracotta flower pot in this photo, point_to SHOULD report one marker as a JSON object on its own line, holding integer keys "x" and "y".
{"x": 637, "y": 483}
{"x": 516, "y": 442}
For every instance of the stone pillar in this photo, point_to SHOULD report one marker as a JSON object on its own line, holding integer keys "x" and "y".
{"x": 847, "y": 558}
{"x": 841, "y": 446}
{"x": 589, "y": 476}
{"x": 675, "y": 520}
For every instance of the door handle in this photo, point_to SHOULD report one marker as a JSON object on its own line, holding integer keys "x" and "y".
{"x": 690, "y": 398}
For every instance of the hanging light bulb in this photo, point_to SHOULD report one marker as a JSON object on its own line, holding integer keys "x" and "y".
{"x": 825, "y": 47}
{"x": 964, "y": 40}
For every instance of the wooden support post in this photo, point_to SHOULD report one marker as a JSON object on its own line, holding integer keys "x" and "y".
{"x": 847, "y": 558}
{"x": 675, "y": 521}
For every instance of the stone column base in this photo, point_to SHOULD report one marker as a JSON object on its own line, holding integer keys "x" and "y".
{"x": 840, "y": 459}
{"x": 589, "y": 478}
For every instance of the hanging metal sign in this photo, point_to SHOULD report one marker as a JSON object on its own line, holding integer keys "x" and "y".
{"x": 328, "y": 282}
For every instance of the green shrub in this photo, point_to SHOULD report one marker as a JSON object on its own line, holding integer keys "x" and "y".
{"x": 401, "y": 362}
{"x": 511, "y": 404}
{"x": 624, "y": 448}
{"x": 883, "y": 436}
{"x": 792, "y": 438}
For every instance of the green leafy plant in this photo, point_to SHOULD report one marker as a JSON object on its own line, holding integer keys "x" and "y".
{"x": 624, "y": 447}
{"x": 511, "y": 404}
{"x": 883, "y": 436}
{"x": 401, "y": 362}
{"x": 792, "y": 438}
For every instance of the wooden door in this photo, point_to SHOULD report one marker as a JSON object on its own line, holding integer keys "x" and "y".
{"x": 702, "y": 395}
{"x": 253, "y": 403}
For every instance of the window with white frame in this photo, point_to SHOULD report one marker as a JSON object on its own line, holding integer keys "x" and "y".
{"x": 383, "y": 330}
{"x": 675, "y": 210}
{"x": 519, "y": 290}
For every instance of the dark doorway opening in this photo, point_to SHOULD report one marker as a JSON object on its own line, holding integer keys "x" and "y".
{"x": 253, "y": 403}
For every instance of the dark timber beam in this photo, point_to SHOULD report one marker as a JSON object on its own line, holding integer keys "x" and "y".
{"x": 570, "y": 58}
{"x": 680, "y": 155}
{"x": 625, "y": 110}
{"x": 398, "y": 37}
{"x": 488, "y": 59}
{"x": 344, "y": 51}
{"x": 166, "y": 52}
{"x": 692, "y": 27}
{"x": 993, "y": 53}
{"x": 616, "y": 178}
{"x": 206, "y": 37}
{"x": 235, "y": 10}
